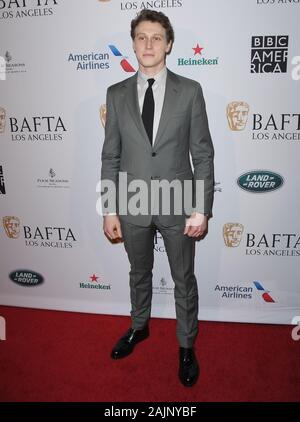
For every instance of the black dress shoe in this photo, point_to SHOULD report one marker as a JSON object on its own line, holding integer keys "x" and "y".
{"x": 126, "y": 343}
{"x": 188, "y": 367}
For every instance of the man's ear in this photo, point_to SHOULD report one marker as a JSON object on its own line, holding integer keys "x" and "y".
{"x": 169, "y": 47}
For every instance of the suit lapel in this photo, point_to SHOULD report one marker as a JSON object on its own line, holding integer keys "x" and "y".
{"x": 134, "y": 108}
{"x": 170, "y": 100}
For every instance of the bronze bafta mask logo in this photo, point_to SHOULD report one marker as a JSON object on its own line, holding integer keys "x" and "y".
{"x": 11, "y": 226}
{"x": 102, "y": 114}
{"x": 2, "y": 119}
{"x": 232, "y": 234}
{"x": 237, "y": 115}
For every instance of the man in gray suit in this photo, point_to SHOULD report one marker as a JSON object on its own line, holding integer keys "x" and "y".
{"x": 155, "y": 121}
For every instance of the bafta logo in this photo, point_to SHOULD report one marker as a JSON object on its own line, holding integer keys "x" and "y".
{"x": 11, "y": 226}
{"x": 237, "y": 115}
{"x": 2, "y": 119}
{"x": 102, "y": 114}
{"x": 232, "y": 234}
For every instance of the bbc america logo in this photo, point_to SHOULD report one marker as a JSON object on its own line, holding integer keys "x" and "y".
{"x": 269, "y": 54}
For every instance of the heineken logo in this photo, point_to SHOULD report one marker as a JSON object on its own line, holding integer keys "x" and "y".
{"x": 26, "y": 278}
{"x": 259, "y": 181}
{"x": 197, "y": 58}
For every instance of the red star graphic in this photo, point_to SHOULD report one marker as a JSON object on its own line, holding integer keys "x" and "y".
{"x": 94, "y": 278}
{"x": 197, "y": 49}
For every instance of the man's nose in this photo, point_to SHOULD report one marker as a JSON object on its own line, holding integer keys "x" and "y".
{"x": 149, "y": 43}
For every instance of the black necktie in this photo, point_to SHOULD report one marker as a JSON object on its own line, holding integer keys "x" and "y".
{"x": 148, "y": 110}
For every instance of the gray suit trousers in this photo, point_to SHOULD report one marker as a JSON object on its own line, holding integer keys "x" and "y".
{"x": 180, "y": 248}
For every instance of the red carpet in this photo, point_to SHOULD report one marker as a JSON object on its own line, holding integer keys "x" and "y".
{"x": 64, "y": 356}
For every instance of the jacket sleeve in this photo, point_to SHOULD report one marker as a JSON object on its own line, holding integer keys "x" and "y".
{"x": 202, "y": 152}
{"x": 111, "y": 153}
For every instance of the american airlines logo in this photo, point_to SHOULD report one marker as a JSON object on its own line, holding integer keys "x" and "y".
{"x": 265, "y": 294}
{"x": 124, "y": 63}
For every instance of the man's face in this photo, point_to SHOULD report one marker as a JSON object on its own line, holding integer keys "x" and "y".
{"x": 2, "y": 120}
{"x": 150, "y": 46}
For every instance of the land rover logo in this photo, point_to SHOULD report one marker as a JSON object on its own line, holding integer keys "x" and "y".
{"x": 26, "y": 278}
{"x": 259, "y": 181}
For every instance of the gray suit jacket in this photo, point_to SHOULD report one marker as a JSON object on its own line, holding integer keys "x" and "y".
{"x": 183, "y": 131}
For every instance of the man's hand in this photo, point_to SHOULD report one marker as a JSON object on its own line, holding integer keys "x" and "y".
{"x": 112, "y": 227}
{"x": 196, "y": 225}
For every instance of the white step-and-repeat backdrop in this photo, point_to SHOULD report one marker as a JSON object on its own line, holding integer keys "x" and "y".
{"x": 57, "y": 60}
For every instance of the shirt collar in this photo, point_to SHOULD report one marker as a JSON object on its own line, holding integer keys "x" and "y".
{"x": 160, "y": 77}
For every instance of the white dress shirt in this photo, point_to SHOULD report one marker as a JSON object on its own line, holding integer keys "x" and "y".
{"x": 158, "y": 88}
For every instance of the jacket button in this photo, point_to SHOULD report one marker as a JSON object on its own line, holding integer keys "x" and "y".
{"x": 153, "y": 154}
